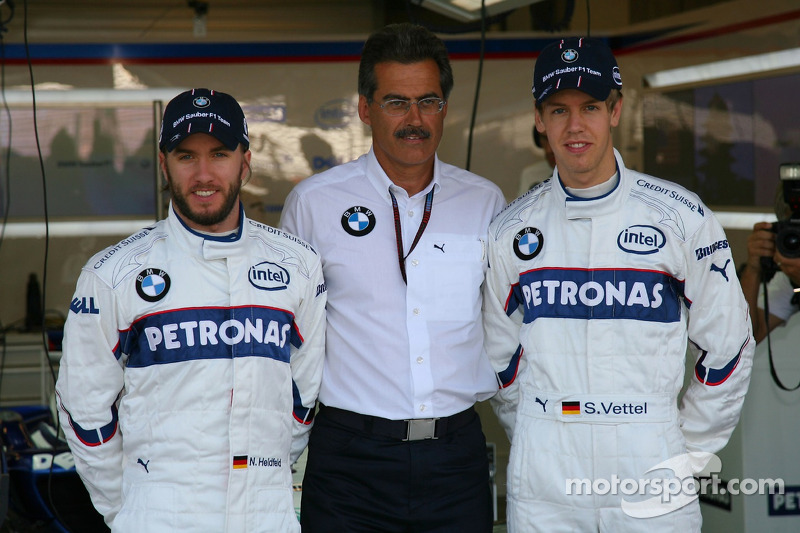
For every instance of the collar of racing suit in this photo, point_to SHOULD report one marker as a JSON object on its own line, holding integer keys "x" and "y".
{"x": 577, "y": 207}
{"x": 204, "y": 246}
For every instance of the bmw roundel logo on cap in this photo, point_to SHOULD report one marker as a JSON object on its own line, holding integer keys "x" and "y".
{"x": 201, "y": 102}
{"x": 569, "y": 55}
{"x": 528, "y": 243}
{"x": 358, "y": 221}
{"x": 617, "y": 77}
{"x": 152, "y": 284}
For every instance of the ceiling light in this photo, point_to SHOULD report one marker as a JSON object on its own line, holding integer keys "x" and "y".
{"x": 65, "y": 95}
{"x": 470, "y": 10}
{"x": 725, "y": 69}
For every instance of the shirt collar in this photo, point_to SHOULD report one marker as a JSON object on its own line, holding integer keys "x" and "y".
{"x": 382, "y": 184}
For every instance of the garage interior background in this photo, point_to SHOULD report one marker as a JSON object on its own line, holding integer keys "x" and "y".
{"x": 102, "y": 69}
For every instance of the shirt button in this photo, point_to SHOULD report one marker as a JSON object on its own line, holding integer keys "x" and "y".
{"x": 411, "y": 213}
{"x": 422, "y": 407}
{"x": 416, "y": 311}
{"x": 420, "y": 360}
{"x": 414, "y": 262}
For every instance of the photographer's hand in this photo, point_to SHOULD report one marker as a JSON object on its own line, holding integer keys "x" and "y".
{"x": 760, "y": 244}
{"x": 790, "y": 267}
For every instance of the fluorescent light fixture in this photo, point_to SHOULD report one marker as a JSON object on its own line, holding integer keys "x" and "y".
{"x": 79, "y": 228}
{"x": 742, "y": 220}
{"x": 725, "y": 69}
{"x": 91, "y": 96}
{"x": 470, "y": 10}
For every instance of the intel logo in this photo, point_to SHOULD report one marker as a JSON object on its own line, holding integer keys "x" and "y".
{"x": 268, "y": 276}
{"x": 335, "y": 114}
{"x": 641, "y": 240}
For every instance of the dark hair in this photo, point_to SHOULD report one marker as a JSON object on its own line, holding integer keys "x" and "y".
{"x": 611, "y": 102}
{"x": 402, "y": 43}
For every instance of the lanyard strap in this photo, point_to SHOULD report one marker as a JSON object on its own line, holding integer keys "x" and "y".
{"x": 772, "y": 371}
{"x": 399, "y": 232}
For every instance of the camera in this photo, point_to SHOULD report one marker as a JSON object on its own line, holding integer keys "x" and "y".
{"x": 787, "y": 238}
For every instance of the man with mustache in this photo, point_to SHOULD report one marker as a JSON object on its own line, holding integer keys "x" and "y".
{"x": 397, "y": 445}
{"x": 193, "y": 349}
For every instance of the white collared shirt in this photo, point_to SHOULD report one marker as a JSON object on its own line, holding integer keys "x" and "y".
{"x": 780, "y": 293}
{"x": 395, "y": 350}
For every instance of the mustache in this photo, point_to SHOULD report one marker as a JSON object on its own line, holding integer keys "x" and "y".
{"x": 414, "y": 131}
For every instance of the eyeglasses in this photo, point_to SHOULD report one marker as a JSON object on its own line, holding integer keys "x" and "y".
{"x": 398, "y": 107}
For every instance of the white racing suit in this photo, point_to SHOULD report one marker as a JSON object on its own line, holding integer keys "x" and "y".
{"x": 588, "y": 308}
{"x": 190, "y": 370}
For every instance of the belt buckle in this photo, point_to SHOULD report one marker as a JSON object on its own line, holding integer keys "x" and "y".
{"x": 421, "y": 429}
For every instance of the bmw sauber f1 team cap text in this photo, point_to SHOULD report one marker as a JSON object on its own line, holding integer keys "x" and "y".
{"x": 203, "y": 111}
{"x": 584, "y": 64}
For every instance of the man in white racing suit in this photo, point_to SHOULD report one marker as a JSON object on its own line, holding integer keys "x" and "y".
{"x": 599, "y": 279}
{"x": 193, "y": 349}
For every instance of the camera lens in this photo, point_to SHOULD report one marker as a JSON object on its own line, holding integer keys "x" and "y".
{"x": 788, "y": 240}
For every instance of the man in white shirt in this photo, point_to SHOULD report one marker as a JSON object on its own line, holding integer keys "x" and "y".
{"x": 767, "y": 268}
{"x": 781, "y": 294}
{"x": 397, "y": 445}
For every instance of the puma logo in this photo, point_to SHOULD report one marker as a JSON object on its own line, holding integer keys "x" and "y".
{"x": 721, "y": 270}
{"x": 440, "y": 247}
{"x": 543, "y": 404}
{"x": 144, "y": 464}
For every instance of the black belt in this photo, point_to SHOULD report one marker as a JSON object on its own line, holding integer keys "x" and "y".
{"x": 405, "y": 430}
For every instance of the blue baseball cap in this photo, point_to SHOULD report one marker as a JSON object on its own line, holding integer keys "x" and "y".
{"x": 580, "y": 63}
{"x": 203, "y": 111}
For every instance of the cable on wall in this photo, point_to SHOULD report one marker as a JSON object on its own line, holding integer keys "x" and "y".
{"x": 477, "y": 85}
{"x": 44, "y": 186}
{"x": 6, "y": 198}
{"x": 588, "y": 18}
{"x": 43, "y": 324}
{"x": 7, "y": 161}
{"x": 7, "y": 182}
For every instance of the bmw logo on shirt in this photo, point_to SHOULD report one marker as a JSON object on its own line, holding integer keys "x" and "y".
{"x": 358, "y": 221}
{"x": 528, "y": 243}
{"x": 152, "y": 284}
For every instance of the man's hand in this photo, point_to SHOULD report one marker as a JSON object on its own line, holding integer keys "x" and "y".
{"x": 760, "y": 243}
{"x": 790, "y": 267}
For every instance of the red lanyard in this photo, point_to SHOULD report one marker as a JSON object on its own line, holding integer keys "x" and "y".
{"x": 399, "y": 232}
